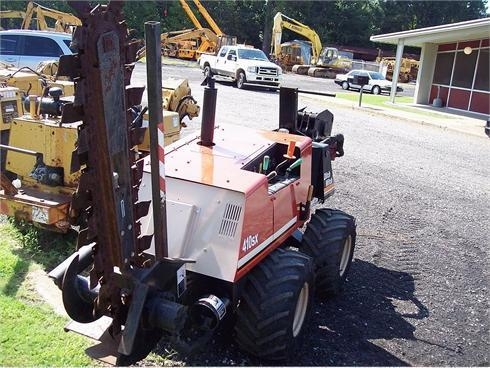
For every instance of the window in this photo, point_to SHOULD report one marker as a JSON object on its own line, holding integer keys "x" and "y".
{"x": 376, "y": 75}
{"x": 231, "y": 55}
{"x": 8, "y": 44}
{"x": 464, "y": 69}
{"x": 482, "y": 81}
{"x": 223, "y": 52}
{"x": 70, "y": 46}
{"x": 41, "y": 46}
{"x": 252, "y": 54}
{"x": 444, "y": 66}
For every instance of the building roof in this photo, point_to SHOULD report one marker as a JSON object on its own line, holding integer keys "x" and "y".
{"x": 446, "y": 33}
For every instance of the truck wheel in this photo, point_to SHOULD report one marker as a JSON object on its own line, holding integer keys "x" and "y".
{"x": 376, "y": 90}
{"x": 345, "y": 85}
{"x": 240, "y": 81}
{"x": 207, "y": 71}
{"x": 329, "y": 239}
{"x": 275, "y": 305}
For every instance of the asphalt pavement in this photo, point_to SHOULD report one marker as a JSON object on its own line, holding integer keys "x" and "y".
{"x": 444, "y": 118}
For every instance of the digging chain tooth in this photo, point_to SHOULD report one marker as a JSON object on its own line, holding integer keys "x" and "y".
{"x": 137, "y": 175}
{"x": 131, "y": 50}
{"x": 71, "y": 113}
{"x": 69, "y": 66}
{"x": 137, "y": 135}
{"x": 134, "y": 95}
{"x": 144, "y": 243}
{"x": 141, "y": 209}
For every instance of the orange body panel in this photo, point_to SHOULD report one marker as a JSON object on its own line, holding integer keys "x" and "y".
{"x": 233, "y": 163}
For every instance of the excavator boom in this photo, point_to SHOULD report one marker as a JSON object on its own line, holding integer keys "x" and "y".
{"x": 281, "y": 21}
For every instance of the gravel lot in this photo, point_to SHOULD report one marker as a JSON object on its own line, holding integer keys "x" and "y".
{"x": 418, "y": 289}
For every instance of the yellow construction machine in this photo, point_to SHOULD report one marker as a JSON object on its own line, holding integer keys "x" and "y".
{"x": 322, "y": 62}
{"x": 39, "y": 174}
{"x": 408, "y": 68}
{"x": 189, "y": 44}
{"x": 58, "y": 20}
{"x": 35, "y": 82}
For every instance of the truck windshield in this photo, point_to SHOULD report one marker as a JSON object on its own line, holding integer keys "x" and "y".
{"x": 252, "y": 54}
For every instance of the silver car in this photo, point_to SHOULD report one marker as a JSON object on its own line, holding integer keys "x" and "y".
{"x": 27, "y": 48}
{"x": 376, "y": 82}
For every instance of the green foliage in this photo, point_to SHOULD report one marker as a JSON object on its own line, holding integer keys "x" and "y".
{"x": 339, "y": 22}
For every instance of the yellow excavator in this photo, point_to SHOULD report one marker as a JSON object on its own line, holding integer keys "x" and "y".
{"x": 63, "y": 22}
{"x": 322, "y": 62}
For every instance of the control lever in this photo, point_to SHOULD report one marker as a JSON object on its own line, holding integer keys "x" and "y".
{"x": 293, "y": 166}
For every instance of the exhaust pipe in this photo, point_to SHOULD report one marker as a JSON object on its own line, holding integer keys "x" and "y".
{"x": 208, "y": 113}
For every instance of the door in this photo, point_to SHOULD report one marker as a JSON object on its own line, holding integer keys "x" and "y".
{"x": 229, "y": 64}
{"x": 220, "y": 59}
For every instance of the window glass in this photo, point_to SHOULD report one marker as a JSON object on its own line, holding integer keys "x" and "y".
{"x": 70, "y": 46}
{"x": 41, "y": 46}
{"x": 8, "y": 44}
{"x": 252, "y": 54}
{"x": 376, "y": 75}
{"x": 223, "y": 52}
{"x": 444, "y": 67}
{"x": 482, "y": 81}
{"x": 464, "y": 69}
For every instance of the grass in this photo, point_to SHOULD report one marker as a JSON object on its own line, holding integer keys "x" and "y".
{"x": 376, "y": 100}
{"x": 31, "y": 334}
{"x": 383, "y": 101}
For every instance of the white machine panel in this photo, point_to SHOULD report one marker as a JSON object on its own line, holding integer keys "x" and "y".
{"x": 207, "y": 231}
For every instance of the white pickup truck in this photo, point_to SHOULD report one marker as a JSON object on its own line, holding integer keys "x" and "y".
{"x": 241, "y": 64}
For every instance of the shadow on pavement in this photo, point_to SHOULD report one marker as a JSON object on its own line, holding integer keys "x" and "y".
{"x": 374, "y": 305}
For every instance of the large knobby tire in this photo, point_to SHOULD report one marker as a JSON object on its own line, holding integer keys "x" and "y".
{"x": 275, "y": 305}
{"x": 241, "y": 79}
{"x": 329, "y": 239}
